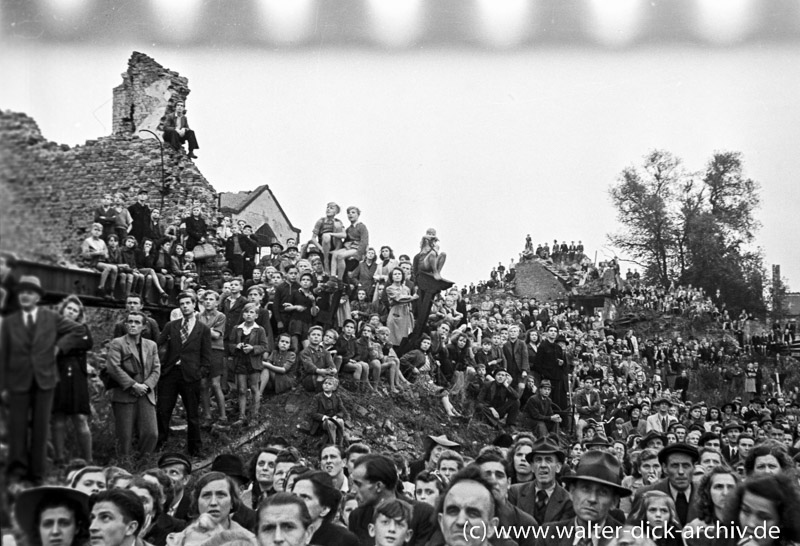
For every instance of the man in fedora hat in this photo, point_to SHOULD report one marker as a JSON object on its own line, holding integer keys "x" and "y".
{"x": 677, "y": 462}
{"x": 540, "y": 412}
{"x": 595, "y": 489}
{"x": 731, "y": 431}
{"x": 273, "y": 258}
{"x": 543, "y": 497}
{"x": 31, "y": 340}
{"x": 660, "y": 420}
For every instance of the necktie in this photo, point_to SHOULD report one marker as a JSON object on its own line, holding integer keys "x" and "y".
{"x": 682, "y": 507}
{"x": 184, "y": 331}
{"x": 540, "y": 506}
{"x": 29, "y": 322}
{"x": 664, "y": 424}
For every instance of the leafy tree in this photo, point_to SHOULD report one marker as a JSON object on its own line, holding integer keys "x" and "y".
{"x": 693, "y": 228}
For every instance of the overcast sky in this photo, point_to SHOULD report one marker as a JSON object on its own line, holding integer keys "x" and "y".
{"x": 484, "y": 145}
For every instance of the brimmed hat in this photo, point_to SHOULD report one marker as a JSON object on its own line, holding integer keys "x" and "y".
{"x": 599, "y": 467}
{"x": 652, "y": 435}
{"x": 30, "y": 282}
{"x": 503, "y": 439}
{"x": 545, "y": 446}
{"x": 678, "y": 447}
{"x": 276, "y": 243}
{"x": 545, "y": 383}
{"x": 597, "y": 441}
{"x": 442, "y": 440}
{"x": 732, "y": 426}
{"x": 230, "y": 465}
{"x": 663, "y": 400}
{"x": 168, "y": 459}
{"x": 28, "y": 501}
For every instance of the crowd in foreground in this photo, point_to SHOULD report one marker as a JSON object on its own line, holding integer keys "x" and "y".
{"x": 522, "y": 490}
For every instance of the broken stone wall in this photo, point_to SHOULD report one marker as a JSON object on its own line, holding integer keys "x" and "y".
{"x": 147, "y": 93}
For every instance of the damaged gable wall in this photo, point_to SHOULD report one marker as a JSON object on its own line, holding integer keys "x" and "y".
{"x": 56, "y": 188}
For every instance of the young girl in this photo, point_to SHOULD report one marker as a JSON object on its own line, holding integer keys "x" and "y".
{"x": 279, "y": 365}
{"x": 249, "y": 342}
{"x": 145, "y": 261}
{"x": 655, "y": 512}
{"x": 95, "y": 254}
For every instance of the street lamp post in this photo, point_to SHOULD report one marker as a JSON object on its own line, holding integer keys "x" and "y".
{"x": 164, "y": 189}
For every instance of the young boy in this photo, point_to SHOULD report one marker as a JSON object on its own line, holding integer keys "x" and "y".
{"x": 391, "y": 523}
{"x": 115, "y": 257}
{"x": 346, "y": 358}
{"x": 488, "y": 356}
{"x": 316, "y": 363}
{"x": 329, "y": 412}
{"x": 95, "y": 253}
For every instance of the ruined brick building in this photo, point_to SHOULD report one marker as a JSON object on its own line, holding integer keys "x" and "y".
{"x": 48, "y": 190}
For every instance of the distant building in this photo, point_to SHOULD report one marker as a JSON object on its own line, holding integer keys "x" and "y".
{"x": 260, "y": 209}
{"x": 792, "y": 304}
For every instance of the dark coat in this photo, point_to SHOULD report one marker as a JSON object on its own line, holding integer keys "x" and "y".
{"x": 27, "y": 358}
{"x": 663, "y": 486}
{"x": 195, "y": 354}
{"x": 324, "y": 406}
{"x": 516, "y": 355}
{"x": 559, "y": 507}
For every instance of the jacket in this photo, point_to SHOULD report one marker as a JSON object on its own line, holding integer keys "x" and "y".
{"x": 559, "y": 506}
{"x": 195, "y": 354}
{"x": 124, "y": 365}
{"x": 26, "y": 358}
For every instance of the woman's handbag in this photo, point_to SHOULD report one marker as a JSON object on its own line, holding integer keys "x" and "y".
{"x": 204, "y": 251}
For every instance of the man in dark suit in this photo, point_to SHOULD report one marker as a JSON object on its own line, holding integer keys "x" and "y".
{"x": 677, "y": 461}
{"x": 551, "y": 363}
{"x": 133, "y": 363}
{"x": 140, "y": 216}
{"x": 731, "y": 431}
{"x": 31, "y": 340}
{"x": 589, "y": 404}
{"x": 188, "y": 352}
{"x": 177, "y": 131}
{"x": 595, "y": 489}
{"x": 543, "y": 498}
{"x": 516, "y": 353}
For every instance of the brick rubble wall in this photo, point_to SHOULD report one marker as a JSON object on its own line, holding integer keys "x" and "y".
{"x": 55, "y": 188}
{"x": 147, "y": 92}
{"x": 534, "y": 281}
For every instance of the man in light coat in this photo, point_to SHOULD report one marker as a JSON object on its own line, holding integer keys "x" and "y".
{"x": 132, "y": 362}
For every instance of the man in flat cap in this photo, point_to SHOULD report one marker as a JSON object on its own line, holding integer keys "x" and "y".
{"x": 677, "y": 462}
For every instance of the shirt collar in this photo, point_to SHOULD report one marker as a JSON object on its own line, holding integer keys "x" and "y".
{"x": 33, "y": 313}
{"x": 674, "y": 492}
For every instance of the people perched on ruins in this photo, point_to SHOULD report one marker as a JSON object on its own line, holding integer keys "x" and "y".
{"x": 177, "y": 131}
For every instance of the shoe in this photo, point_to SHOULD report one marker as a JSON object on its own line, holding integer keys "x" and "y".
{"x": 192, "y": 156}
{"x": 164, "y": 298}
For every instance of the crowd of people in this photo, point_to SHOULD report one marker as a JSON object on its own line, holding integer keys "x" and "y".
{"x": 587, "y": 417}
